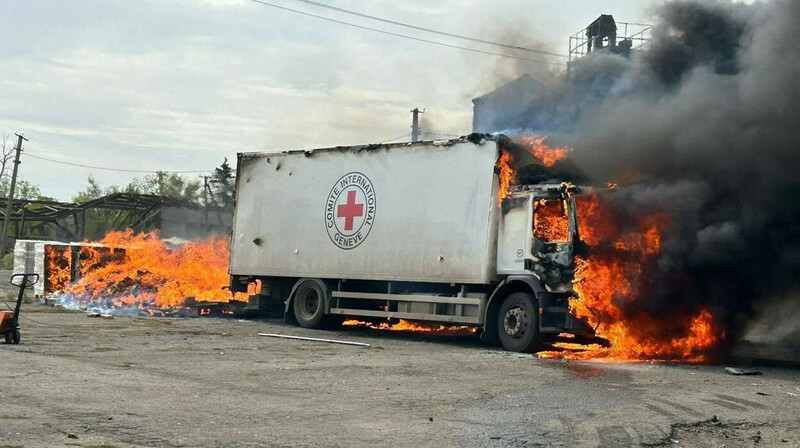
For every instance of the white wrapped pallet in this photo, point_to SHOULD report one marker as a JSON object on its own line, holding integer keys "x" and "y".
{"x": 29, "y": 258}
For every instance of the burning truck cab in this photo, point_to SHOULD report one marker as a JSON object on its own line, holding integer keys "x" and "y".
{"x": 428, "y": 232}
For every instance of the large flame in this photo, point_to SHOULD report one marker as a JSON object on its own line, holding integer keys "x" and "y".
{"x": 58, "y": 263}
{"x": 611, "y": 294}
{"x": 131, "y": 271}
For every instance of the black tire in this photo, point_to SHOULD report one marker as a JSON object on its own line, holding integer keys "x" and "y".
{"x": 309, "y": 304}
{"x": 15, "y": 337}
{"x": 518, "y": 323}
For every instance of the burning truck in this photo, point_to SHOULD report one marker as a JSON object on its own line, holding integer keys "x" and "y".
{"x": 429, "y": 232}
{"x": 481, "y": 234}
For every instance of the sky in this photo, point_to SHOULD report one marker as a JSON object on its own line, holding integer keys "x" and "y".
{"x": 183, "y": 84}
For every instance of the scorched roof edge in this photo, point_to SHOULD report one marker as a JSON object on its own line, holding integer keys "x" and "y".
{"x": 474, "y": 138}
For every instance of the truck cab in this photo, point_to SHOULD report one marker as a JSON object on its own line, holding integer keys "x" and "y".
{"x": 538, "y": 239}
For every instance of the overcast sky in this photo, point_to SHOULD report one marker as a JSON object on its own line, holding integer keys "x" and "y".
{"x": 181, "y": 84}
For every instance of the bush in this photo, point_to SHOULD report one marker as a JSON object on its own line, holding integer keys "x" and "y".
{"x": 7, "y": 262}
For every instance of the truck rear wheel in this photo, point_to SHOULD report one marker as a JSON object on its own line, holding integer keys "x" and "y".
{"x": 309, "y": 304}
{"x": 518, "y": 323}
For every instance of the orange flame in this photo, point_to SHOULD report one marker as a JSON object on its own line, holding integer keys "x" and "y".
{"x": 59, "y": 267}
{"x": 609, "y": 297}
{"x": 141, "y": 271}
{"x": 403, "y": 325}
{"x": 548, "y": 155}
{"x": 550, "y": 221}
{"x": 505, "y": 173}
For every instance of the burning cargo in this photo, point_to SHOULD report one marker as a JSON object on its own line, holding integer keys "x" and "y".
{"x": 58, "y": 264}
{"x": 133, "y": 274}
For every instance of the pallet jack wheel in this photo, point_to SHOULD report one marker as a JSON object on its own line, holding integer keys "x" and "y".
{"x": 12, "y": 337}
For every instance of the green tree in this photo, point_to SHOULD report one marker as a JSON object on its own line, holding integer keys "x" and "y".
{"x": 93, "y": 191}
{"x": 223, "y": 186}
{"x": 166, "y": 184}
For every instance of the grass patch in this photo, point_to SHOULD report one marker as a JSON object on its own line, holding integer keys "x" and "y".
{"x": 105, "y": 349}
{"x": 13, "y": 417}
{"x": 11, "y": 446}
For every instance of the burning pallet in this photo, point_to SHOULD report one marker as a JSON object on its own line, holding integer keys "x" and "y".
{"x": 134, "y": 275}
{"x": 58, "y": 264}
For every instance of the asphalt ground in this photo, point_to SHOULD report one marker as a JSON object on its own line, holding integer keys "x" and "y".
{"x": 206, "y": 382}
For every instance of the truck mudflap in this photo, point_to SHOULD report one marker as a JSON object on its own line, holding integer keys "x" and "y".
{"x": 558, "y": 319}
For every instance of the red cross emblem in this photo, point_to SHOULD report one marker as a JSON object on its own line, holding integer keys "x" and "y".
{"x": 350, "y": 210}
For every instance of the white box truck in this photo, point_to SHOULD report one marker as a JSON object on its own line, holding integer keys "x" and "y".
{"x": 414, "y": 231}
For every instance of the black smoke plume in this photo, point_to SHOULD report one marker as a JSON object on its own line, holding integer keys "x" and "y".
{"x": 706, "y": 122}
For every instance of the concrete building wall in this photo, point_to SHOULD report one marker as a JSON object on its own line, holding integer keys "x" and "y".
{"x": 503, "y": 108}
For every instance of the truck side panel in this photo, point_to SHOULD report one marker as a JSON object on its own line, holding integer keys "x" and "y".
{"x": 419, "y": 212}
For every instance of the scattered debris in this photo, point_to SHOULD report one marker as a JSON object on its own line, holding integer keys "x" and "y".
{"x": 795, "y": 394}
{"x": 762, "y": 393}
{"x": 107, "y": 316}
{"x": 735, "y": 371}
{"x": 302, "y": 338}
{"x": 72, "y": 436}
{"x": 93, "y": 314}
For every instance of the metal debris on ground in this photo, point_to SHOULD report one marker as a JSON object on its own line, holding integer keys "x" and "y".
{"x": 302, "y": 338}
{"x": 735, "y": 371}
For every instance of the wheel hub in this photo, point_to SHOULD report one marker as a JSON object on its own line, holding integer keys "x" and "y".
{"x": 310, "y": 303}
{"x": 514, "y": 322}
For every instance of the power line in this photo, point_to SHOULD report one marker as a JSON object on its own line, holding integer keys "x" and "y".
{"x": 114, "y": 169}
{"x": 429, "y": 30}
{"x": 396, "y": 138}
{"x": 442, "y": 44}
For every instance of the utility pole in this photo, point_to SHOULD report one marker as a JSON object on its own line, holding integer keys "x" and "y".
{"x": 415, "y": 130}
{"x": 205, "y": 202}
{"x": 7, "y": 219}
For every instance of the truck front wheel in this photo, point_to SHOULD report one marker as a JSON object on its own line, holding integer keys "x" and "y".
{"x": 309, "y": 304}
{"x": 518, "y": 323}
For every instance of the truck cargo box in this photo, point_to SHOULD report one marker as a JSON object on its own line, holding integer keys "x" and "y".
{"x": 417, "y": 212}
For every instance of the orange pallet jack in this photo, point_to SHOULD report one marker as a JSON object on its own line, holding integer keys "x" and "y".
{"x": 9, "y": 321}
